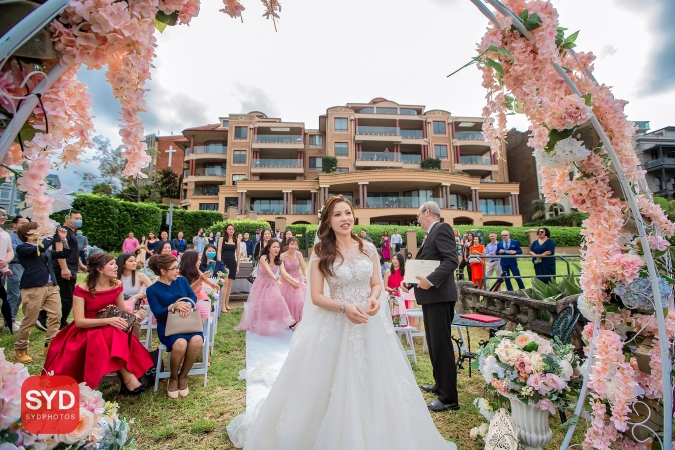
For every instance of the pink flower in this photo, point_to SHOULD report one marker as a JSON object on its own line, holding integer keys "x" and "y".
{"x": 546, "y": 405}
{"x": 500, "y": 386}
{"x": 554, "y": 381}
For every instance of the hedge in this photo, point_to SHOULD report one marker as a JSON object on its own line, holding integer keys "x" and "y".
{"x": 242, "y": 226}
{"x": 107, "y": 221}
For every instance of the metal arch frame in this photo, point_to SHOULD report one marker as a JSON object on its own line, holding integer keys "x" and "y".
{"x": 632, "y": 202}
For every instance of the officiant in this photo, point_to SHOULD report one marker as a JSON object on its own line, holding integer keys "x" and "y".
{"x": 437, "y": 294}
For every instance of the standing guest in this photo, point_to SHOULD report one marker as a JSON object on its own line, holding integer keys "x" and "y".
{"x": 257, "y": 235}
{"x": 293, "y": 289}
{"x": 134, "y": 285}
{"x": 89, "y": 348}
{"x": 243, "y": 254}
{"x": 141, "y": 251}
{"x": 164, "y": 236}
{"x": 384, "y": 265}
{"x": 458, "y": 237}
{"x": 394, "y": 276}
{"x": 437, "y": 294}
{"x": 544, "y": 246}
{"x": 189, "y": 268}
{"x": 179, "y": 244}
{"x": 150, "y": 244}
{"x": 493, "y": 267}
{"x": 212, "y": 239}
{"x": 396, "y": 241}
{"x": 364, "y": 236}
{"x": 14, "y": 280}
{"x": 262, "y": 243}
{"x": 250, "y": 245}
{"x": 209, "y": 261}
{"x": 200, "y": 241}
{"x": 384, "y": 244}
{"x": 277, "y": 235}
{"x": 164, "y": 296}
{"x": 66, "y": 269}
{"x": 284, "y": 241}
{"x": 475, "y": 251}
{"x": 509, "y": 266}
{"x": 466, "y": 252}
{"x": 229, "y": 255}
{"x": 266, "y": 311}
{"x": 37, "y": 287}
{"x": 130, "y": 244}
{"x": 83, "y": 245}
{"x": 6, "y": 257}
{"x": 216, "y": 241}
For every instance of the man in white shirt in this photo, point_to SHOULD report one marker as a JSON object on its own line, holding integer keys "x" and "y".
{"x": 396, "y": 240}
{"x": 6, "y": 256}
{"x": 493, "y": 266}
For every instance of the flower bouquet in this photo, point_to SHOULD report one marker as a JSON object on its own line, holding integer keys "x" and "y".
{"x": 535, "y": 370}
{"x": 100, "y": 427}
{"x": 220, "y": 278}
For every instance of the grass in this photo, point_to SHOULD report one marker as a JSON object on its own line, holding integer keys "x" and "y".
{"x": 198, "y": 422}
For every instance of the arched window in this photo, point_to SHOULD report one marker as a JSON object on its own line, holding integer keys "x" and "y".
{"x": 556, "y": 209}
{"x": 657, "y": 184}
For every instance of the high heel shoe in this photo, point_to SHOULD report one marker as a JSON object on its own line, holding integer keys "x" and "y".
{"x": 124, "y": 390}
{"x": 184, "y": 392}
{"x": 171, "y": 394}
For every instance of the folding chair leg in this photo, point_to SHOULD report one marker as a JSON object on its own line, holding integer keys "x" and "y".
{"x": 159, "y": 366}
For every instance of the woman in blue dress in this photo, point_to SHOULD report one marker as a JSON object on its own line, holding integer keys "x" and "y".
{"x": 544, "y": 246}
{"x": 163, "y": 298}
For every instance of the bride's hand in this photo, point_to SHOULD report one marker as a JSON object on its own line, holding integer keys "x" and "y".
{"x": 373, "y": 306}
{"x": 355, "y": 314}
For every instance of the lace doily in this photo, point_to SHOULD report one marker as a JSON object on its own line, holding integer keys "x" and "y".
{"x": 502, "y": 434}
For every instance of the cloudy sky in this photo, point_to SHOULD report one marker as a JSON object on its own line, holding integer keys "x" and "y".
{"x": 328, "y": 53}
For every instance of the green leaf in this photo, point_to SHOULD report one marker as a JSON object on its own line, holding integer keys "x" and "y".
{"x": 554, "y": 136}
{"x": 26, "y": 133}
{"x": 160, "y": 26}
{"x": 524, "y": 15}
{"x": 169, "y": 19}
{"x": 533, "y": 22}
{"x": 531, "y": 347}
{"x": 587, "y": 98}
{"x": 474, "y": 364}
{"x": 501, "y": 51}
{"x": 572, "y": 37}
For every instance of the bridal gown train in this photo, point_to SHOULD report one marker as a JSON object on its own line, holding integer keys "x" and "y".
{"x": 343, "y": 386}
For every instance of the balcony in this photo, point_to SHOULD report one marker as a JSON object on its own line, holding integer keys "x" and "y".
{"x": 377, "y": 159}
{"x": 666, "y": 163}
{"x": 277, "y": 165}
{"x": 408, "y": 158}
{"x": 206, "y": 190}
{"x": 301, "y": 209}
{"x": 469, "y": 136}
{"x": 397, "y": 111}
{"x": 496, "y": 209}
{"x": 474, "y": 160}
{"x": 278, "y": 141}
{"x": 367, "y": 133}
{"x": 401, "y": 202}
{"x": 217, "y": 151}
{"x": 215, "y": 174}
{"x": 412, "y": 134}
{"x": 267, "y": 209}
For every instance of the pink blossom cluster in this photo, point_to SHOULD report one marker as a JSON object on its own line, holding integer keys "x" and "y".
{"x": 12, "y": 377}
{"x": 567, "y": 112}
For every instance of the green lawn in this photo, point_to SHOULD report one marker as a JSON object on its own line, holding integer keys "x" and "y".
{"x": 198, "y": 421}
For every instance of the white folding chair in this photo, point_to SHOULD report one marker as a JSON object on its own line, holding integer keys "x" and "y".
{"x": 213, "y": 319}
{"x": 199, "y": 368}
{"x": 148, "y": 326}
{"x": 406, "y": 330}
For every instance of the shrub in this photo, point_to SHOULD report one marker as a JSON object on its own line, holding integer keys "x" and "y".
{"x": 242, "y": 226}
{"x": 564, "y": 220}
{"x": 189, "y": 222}
{"x": 328, "y": 164}
{"x": 431, "y": 164}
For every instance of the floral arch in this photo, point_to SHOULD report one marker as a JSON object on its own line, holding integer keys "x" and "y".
{"x": 528, "y": 66}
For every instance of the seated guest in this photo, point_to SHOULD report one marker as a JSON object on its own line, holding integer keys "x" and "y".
{"x": 89, "y": 348}
{"x": 189, "y": 269}
{"x": 394, "y": 276}
{"x": 134, "y": 284}
{"x": 384, "y": 265}
{"x": 165, "y": 248}
{"x": 38, "y": 289}
{"x": 163, "y": 297}
{"x": 209, "y": 263}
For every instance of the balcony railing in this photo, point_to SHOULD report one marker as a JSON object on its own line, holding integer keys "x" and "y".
{"x": 411, "y": 159}
{"x": 375, "y": 156}
{"x": 211, "y": 172}
{"x": 401, "y": 202}
{"x": 412, "y": 134}
{"x": 210, "y": 148}
{"x": 278, "y": 139}
{"x": 205, "y": 191}
{"x": 277, "y": 163}
{"x": 401, "y": 111}
{"x": 378, "y": 131}
{"x": 470, "y": 135}
{"x": 658, "y": 162}
{"x": 474, "y": 160}
{"x": 267, "y": 209}
{"x": 496, "y": 209}
{"x": 301, "y": 209}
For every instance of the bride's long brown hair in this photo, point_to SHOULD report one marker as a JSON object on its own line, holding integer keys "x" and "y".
{"x": 326, "y": 249}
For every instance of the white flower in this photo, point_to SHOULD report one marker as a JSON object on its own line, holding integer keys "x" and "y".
{"x": 484, "y": 408}
{"x": 61, "y": 199}
{"x": 566, "y": 370}
{"x": 489, "y": 368}
{"x": 474, "y": 433}
{"x": 586, "y": 308}
{"x": 564, "y": 153}
{"x": 483, "y": 429}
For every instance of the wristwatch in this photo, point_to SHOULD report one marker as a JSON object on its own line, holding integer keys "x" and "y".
{"x": 342, "y": 308}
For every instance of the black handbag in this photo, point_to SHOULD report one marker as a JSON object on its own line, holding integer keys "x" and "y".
{"x": 254, "y": 273}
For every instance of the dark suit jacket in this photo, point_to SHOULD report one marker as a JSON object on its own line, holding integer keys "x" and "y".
{"x": 439, "y": 246}
{"x": 509, "y": 262}
{"x": 38, "y": 269}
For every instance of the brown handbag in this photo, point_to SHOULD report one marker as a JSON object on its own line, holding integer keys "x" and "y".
{"x": 192, "y": 323}
{"x": 113, "y": 311}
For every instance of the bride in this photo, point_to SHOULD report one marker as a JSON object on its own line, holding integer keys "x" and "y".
{"x": 345, "y": 383}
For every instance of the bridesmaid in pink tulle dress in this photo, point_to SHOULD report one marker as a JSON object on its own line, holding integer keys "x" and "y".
{"x": 294, "y": 286}
{"x": 265, "y": 311}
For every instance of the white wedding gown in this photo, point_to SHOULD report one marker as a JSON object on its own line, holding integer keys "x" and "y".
{"x": 343, "y": 386}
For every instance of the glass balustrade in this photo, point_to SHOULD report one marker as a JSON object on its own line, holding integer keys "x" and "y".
{"x": 268, "y": 208}
{"x": 210, "y": 148}
{"x": 469, "y": 135}
{"x": 278, "y": 139}
{"x": 474, "y": 160}
{"x": 378, "y": 131}
{"x": 412, "y": 134}
{"x": 496, "y": 209}
{"x": 211, "y": 190}
{"x": 376, "y": 156}
{"x": 401, "y": 202}
{"x": 411, "y": 159}
{"x": 211, "y": 171}
{"x": 401, "y": 111}
{"x": 301, "y": 209}
{"x": 277, "y": 163}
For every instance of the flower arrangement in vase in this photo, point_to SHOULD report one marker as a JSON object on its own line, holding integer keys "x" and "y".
{"x": 99, "y": 427}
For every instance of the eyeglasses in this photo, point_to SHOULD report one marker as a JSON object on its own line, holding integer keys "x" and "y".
{"x": 505, "y": 235}
{"x": 540, "y": 231}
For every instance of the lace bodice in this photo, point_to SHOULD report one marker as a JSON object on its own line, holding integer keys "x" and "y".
{"x": 351, "y": 283}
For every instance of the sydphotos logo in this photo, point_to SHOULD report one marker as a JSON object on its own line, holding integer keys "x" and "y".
{"x": 50, "y": 404}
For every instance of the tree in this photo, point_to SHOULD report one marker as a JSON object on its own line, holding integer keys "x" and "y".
{"x": 111, "y": 163}
{"x": 431, "y": 164}
{"x": 89, "y": 180}
{"x": 102, "y": 189}
{"x": 169, "y": 182}
{"x": 328, "y": 164}
{"x": 538, "y": 210}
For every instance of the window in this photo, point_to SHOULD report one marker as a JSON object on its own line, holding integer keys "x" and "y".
{"x": 267, "y": 205}
{"x": 5, "y": 194}
{"x": 208, "y": 206}
{"x": 225, "y": 123}
{"x": 239, "y": 157}
{"x": 315, "y": 163}
{"x": 240, "y": 133}
{"x": 657, "y": 184}
{"x": 439, "y": 128}
{"x": 231, "y": 202}
{"x": 458, "y": 201}
{"x": 236, "y": 178}
{"x": 341, "y": 125}
{"x": 18, "y": 196}
{"x": 341, "y": 170}
{"x": 348, "y": 195}
{"x": 441, "y": 151}
{"x": 315, "y": 140}
{"x": 186, "y": 173}
{"x": 341, "y": 150}
{"x": 493, "y": 206}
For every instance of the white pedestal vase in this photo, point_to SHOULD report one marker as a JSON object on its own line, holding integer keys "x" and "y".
{"x": 532, "y": 423}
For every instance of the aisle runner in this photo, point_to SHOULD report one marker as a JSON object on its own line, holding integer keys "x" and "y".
{"x": 272, "y": 350}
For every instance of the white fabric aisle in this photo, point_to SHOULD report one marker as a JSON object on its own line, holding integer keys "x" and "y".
{"x": 264, "y": 358}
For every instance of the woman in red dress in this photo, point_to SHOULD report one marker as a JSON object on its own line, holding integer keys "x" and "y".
{"x": 89, "y": 348}
{"x": 394, "y": 276}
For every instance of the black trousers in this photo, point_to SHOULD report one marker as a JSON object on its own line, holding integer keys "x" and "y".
{"x": 438, "y": 328}
{"x": 66, "y": 288}
{"x": 460, "y": 269}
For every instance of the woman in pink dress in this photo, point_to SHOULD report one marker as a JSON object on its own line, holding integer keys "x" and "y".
{"x": 294, "y": 286}
{"x": 385, "y": 242}
{"x": 266, "y": 311}
{"x": 189, "y": 268}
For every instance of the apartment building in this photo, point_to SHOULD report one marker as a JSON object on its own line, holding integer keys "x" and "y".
{"x": 251, "y": 165}
{"x": 656, "y": 151}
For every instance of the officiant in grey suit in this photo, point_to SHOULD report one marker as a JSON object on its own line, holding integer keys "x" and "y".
{"x": 437, "y": 294}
